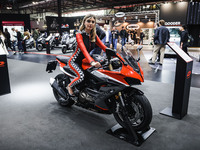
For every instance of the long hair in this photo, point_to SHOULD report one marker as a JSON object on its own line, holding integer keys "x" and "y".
{"x": 93, "y": 31}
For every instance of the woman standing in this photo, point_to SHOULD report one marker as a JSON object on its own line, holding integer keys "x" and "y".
{"x": 86, "y": 39}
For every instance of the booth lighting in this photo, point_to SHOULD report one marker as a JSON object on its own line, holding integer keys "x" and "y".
{"x": 8, "y": 7}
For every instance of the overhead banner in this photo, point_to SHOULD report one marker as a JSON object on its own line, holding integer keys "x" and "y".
{"x": 12, "y": 23}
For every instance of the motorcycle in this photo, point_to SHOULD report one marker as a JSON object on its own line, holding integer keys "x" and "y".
{"x": 108, "y": 89}
{"x": 68, "y": 42}
{"x": 41, "y": 42}
{"x": 57, "y": 39}
{"x": 30, "y": 42}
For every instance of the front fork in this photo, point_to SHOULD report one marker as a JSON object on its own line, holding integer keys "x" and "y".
{"x": 125, "y": 115}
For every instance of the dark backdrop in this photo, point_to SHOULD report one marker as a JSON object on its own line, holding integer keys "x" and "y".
{"x": 16, "y": 17}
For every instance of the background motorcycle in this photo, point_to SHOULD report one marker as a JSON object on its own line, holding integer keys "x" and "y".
{"x": 108, "y": 89}
{"x": 68, "y": 42}
{"x": 30, "y": 42}
{"x": 42, "y": 41}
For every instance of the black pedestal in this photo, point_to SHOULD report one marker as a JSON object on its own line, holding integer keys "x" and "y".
{"x": 24, "y": 45}
{"x": 123, "y": 134}
{"x": 181, "y": 88}
{"x": 48, "y": 47}
{"x": 4, "y": 76}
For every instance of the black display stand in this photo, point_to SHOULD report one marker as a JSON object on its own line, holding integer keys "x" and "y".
{"x": 4, "y": 76}
{"x": 135, "y": 138}
{"x": 182, "y": 84}
{"x": 24, "y": 45}
{"x": 47, "y": 47}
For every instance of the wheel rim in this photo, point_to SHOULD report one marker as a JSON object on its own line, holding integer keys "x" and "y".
{"x": 136, "y": 113}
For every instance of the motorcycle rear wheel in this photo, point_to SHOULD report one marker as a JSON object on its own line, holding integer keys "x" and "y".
{"x": 63, "y": 81}
{"x": 139, "y": 113}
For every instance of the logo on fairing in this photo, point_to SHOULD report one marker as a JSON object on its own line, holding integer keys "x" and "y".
{"x": 2, "y": 63}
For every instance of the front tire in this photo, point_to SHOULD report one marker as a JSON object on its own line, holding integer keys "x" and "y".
{"x": 64, "y": 50}
{"x": 39, "y": 47}
{"x": 139, "y": 112}
{"x": 63, "y": 81}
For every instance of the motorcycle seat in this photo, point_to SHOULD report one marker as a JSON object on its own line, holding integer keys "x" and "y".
{"x": 63, "y": 59}
{"x": 68, "y": 70}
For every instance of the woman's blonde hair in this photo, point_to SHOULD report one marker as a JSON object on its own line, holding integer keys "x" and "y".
{"x": 93, "y": 31}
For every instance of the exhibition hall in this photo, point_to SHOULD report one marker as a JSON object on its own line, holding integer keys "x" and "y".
{"x": 99, "y": 75}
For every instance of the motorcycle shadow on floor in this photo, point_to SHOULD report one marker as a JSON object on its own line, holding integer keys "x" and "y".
{"x": 84, "y": 117}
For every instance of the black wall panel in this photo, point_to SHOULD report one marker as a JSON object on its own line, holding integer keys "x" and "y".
{"x": 193, "y": 16}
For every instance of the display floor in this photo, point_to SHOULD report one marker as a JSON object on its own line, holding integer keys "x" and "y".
{"x": 31, "y": 118}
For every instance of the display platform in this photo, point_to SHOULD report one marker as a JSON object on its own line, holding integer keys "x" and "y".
{"x": 32, "y": 119}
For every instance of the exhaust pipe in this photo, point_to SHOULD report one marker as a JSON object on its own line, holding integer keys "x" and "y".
{"x": 55, "y": 86}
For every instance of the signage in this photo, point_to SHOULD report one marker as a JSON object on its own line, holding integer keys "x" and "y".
{"x": 2, "y": 63}
{"x": 189, "y": 74}
{"x": 133, "y": 26}
{"x": 178, "y": 23}
{"x": 120, "y": 14}
{"x": 12, "y": 23}
{"x": 179, "y": 51}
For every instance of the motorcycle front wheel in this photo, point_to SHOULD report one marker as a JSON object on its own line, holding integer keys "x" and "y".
{"x": 63, "y": 81}
{"x": 64, "y": 50}
{"x": 39, "y": 47}
{"x": 139, "y": 112}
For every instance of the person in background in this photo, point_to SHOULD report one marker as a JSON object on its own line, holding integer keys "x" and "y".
{"x": 75, "y": 31}
{"x": 107, "y": 39}
{"x": 13, "y": 37}
{"x": 123, "y": 35}
{"x": 115, "y": 35}
{"x": 35, "y": 36}
{"x": 135, "y": 36}
{"x": 27, "y": 34}
{"x": 156, "y": 41}
{"x": 7, "y": 39}
{"x": 141, "y": 36}
{"x": 19, "y": 41}
{"x": 184, "y": 38}
{"x": 86, "y": 39}
{"x": 162, "y": 35}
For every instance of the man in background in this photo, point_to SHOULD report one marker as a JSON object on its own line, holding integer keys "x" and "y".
{"x": 162, "y": 35}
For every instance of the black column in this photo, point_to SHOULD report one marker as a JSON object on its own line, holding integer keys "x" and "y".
{"x": 59, "y": 16}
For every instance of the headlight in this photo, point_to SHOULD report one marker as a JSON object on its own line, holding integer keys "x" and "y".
{"x": 132, "y": 81}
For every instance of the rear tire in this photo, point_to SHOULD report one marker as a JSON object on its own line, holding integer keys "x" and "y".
{"x": 139, "y": 112}
{"x": 63, "y": 81}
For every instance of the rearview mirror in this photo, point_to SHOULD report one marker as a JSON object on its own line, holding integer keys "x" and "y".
{"x": 110, "y": 52}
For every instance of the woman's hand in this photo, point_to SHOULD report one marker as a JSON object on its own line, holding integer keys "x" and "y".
{"x": 96, "y": 64}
